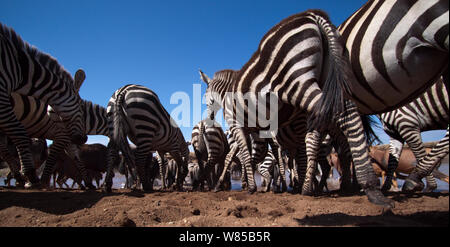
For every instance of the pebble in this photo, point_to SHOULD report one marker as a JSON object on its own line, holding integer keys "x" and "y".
{"x": 122, "y": 219}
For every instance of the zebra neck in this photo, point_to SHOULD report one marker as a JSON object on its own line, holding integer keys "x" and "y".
{"x": 96, "y": 119}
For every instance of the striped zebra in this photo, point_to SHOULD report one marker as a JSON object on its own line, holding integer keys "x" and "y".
{"x": 211, "y": 147}
{"x": 397, "y": 49}
{"x": 428, "y": 112}
{"x": 136, "y": 112}
{"x": 41, "y": 121}
{"x": 28, "y": 71}
{"x": 301, "y": 62}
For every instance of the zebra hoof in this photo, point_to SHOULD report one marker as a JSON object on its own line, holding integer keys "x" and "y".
{"x": 19, "y": 184}
{"x": 30, "y": 186}
{"x": 251, "y": 190}
{"x": 376, "y": 197}
{"x": 217, "y": 189}
{"x": 107, "y": 189}
{"x": 412, "y": 184}
{"x": 430, "y": 188}
{"x": 91, "y": 187}
{"x": 386, "y": 187}
{"x": 307, "y": 192}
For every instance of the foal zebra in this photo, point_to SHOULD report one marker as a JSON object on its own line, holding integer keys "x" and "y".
{"x": 428, "y": 112}
{"x": 27, "y": 71}
{"x": 301, "y": 62}
{"x": 41, "y": 121}
{"x": 135, "y": 112}
{"x": 211, "y": 147}
{"x": 397, "y": 49}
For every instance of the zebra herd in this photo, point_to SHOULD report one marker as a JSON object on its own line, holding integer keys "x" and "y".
{"x": 389, "y": 58}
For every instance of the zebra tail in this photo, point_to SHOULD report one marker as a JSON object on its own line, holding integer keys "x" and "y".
{"x": 201, "y": 133}
{"x": 119, "y": 134}
{"x": 335, "y": 84}
{"x": 368, "y": 122}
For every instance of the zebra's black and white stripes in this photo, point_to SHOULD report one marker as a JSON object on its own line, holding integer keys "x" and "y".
{"x": 135, "y": 112}
{"x": 211, "y": 147}
{"x": 291, "y": 63}
{"x": 397, "y": 50}
{"x": 27, "y": 71}
{"x": 41, "y": 121}
{"x": 428, "y": 112}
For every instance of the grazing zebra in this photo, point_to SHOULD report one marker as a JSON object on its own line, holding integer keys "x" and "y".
{"x": 301, "y": 62}
{"x": 428, "y": 112}
{"x": 41, "y": 121}
{"x": 136, "y": 112}
{"x": 397, "y": 49}
{"x": 211, "y": 147}
{"x": 28, "y": 71}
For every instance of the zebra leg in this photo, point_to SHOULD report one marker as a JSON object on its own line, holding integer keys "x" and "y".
{"x": 12, "y": 128}
{"x": 228, "y": 159}
{"x": 279, "y": 158}
{"x": 60, "y": 142}
{"x": 160, "y": 159}
{"x": 351, "y": 126}
{"x": 13, "y": 163}
{"x": 312, "y": 150}
{"x": 241, "y": 139}
{"x": 431, "y": 183}
{"x": 395, "y": 150}
{"x": 181, "y": 172}
{"x": 325, "y": 167}
{"x": 300, "y": 165}
{"x": 113, "y": 156}
{"x": 142, "y": 152}
{"x": 426, "y": 165}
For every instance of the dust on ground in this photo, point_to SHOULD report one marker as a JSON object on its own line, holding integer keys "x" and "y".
{"x": 231, "y": 208}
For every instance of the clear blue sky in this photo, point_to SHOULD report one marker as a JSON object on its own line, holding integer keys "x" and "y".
{"x": 158, "y": 44}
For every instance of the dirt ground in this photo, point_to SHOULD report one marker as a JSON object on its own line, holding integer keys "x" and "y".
{"x": 233, "y": 208}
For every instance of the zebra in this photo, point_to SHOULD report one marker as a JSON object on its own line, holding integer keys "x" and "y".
{"x": 428, "y": 112}
{"x": 41, "y": 121}
{"x": 210, "y": 147}
{"x": 397, "y": 49}
{"x": 136, "y": 112}
{"x": 291, "y": 64}
{"x": 26, "y": 70}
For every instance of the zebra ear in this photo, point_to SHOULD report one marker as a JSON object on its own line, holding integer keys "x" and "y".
{"x": 79, "y": 79}
{"x": 204, "y": 77}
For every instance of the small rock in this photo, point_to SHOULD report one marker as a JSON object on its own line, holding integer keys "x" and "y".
{"x": 122, "y": 219}
{"x": 196, "y": 211}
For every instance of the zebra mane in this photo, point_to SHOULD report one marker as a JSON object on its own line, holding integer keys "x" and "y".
{"x": 226, "y": 75}
{"x": 44, "y": 59}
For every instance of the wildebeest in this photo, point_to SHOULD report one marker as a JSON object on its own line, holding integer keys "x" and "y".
{"x": 93, "y": 156}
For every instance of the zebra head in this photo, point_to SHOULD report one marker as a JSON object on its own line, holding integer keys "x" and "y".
{"x": 212, "y": 106}
{"x": 216, "y": 91}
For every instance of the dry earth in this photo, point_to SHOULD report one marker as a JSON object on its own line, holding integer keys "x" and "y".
{"x": 234, "y": 208}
